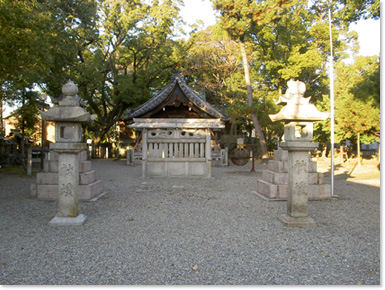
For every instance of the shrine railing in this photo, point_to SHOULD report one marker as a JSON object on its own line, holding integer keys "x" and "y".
{"x": 178, "y": 149}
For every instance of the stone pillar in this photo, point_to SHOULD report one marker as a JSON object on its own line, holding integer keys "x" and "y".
{"x": 144, "y": 153}
{"x": 130, "y": 157}
{"x": 208, "y": 152}
{"x": 68, "y": 178}
{"x": 68, "y": 117}
{"x": 68, "y": 205}
{"x": 298, "y": 187}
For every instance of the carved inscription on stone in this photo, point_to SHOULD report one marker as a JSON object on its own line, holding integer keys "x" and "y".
{"x": 300, "y": 168}
{"x": 67, "y": 190}
{"x": 66, "y": 169}
{"x": 301, "y": 188}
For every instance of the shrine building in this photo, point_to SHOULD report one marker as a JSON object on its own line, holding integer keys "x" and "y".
{"x": 177, "y": 133}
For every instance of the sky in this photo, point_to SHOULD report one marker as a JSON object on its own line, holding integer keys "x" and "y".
{"x": 368, "y": 30}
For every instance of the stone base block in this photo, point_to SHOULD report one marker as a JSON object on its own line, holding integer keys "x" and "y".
{"x": 319, "y": 191}
{"x": 312, "y": 177}
{"x": 89, "y": 191}
{"x": 87, "y": 177}
{"x": 267, "y": 189}
{"x": 283, "y": 189}
{"x": 68, "y": 221}
{"x": 275, "y": 177}
{"x": 320, "y": 178}
{"x": 47, "y": 178}
{"x": 47, "y": 191}
{"x": 281, "y": 155}
{"x": 312, "y": 166}
{"x": 45, "y": 166}
{"x": 299, "y": 222}
{"x": 53, "y": 156}
{"x": 84, "y": 166}
{"x": 53, "y": 166}
{"x": 85, "y": 192}
{"x": 83, "y": 156}
{"x": 277, "y": 166}
{"x": 280, "y": 191}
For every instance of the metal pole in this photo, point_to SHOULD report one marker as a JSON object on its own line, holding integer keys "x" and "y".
{"x": 43, "y": 98}
{"x": 331, "y": 102}
{"x": 42, "y": 144}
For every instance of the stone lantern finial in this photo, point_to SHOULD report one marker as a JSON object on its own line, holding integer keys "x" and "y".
{"x": 298, "y": 108}
{"x": 70, "y": 92}
{"x": 70, "y": 89}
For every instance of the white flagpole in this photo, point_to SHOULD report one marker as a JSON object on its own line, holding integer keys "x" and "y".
{"x": 331, "y": 76}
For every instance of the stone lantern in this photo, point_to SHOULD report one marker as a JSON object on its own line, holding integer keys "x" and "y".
{"x": 299, "y": 117}
{"x": 69, "y": 118}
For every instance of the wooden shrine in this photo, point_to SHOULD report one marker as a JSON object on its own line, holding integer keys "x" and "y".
{"x": 176, "y": 128}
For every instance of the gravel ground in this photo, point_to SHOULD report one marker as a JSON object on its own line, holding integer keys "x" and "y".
{"x": 188, "y": 232}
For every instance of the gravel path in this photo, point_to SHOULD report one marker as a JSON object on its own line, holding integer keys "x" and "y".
{"x": 179, "y": 231}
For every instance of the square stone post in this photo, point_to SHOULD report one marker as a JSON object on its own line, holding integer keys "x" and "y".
{"x": 208, "y": 152}
{"x": 68, "y": 205}
{"x": 68, "y": 182}
{"x": 144, "y": 153}
{"x": 298, "y": 187}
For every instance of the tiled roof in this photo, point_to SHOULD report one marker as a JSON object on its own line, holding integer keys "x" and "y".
{"x": 165, "y": 92}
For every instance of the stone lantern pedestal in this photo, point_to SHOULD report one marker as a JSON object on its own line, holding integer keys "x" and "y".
{"x": 68, "y": 203}
{"x": 298, "y": 116}
{"x": 299, "y": 149}
{"x": 68, "y": 117}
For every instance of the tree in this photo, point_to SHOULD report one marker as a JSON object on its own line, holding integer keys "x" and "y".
{"x": 117, "y": 51}
{"x": 237, "y": 18}
{"x": 125, "y": 50}
{"x": 343, "y": 13}
{"x": 357, "y": 112}
{"x": 211, "y": 64}
{"x": 27, "y": 114}
{"x": 38, "y": 43}
{"x": 214, "y": 67}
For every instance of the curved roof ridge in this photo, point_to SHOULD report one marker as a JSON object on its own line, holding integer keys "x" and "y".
{"x": 164, "y": 93}
{"x": 199, "y": 102}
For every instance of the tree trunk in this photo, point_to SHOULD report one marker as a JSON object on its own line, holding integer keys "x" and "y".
{"x": 359, "y": 148}
{"x": 324, "y": 151}
{"x": 22, "y": 143}
{"x": 261, "y": 136}
{"x": 342, "y": 152}
{"x": 2, "y": 134}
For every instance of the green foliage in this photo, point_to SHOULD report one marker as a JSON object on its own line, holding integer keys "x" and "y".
{"x": 133, "y": 52}
{"x": 22, "y": 45}
{"x": 356, "y": 110}
{"x": 368, "y": 85}
{"x": 27, "y": 114}
{"x": 348, "y": 11}
{"x": 120, "y": 51}
{"x": 115, "y": 50}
